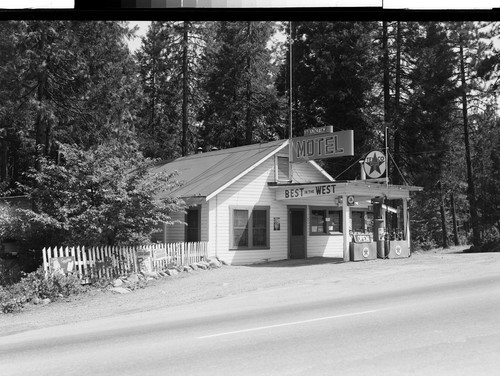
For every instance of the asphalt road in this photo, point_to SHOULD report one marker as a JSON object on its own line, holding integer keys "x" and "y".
{"x": 444, "y": 326}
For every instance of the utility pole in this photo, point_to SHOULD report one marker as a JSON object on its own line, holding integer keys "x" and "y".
{"x": 290, "y": 103}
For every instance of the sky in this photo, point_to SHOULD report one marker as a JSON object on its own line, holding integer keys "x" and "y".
{"x": 143, "y": 28}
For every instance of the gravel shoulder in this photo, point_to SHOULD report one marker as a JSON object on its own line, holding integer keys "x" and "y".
{"x": 188, "y": 288}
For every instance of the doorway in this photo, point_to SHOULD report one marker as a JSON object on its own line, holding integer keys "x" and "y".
{"x": 297, "y": 233}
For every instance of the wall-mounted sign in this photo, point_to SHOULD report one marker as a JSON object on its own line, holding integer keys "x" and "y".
{"x": 305, "y": 191}
{"x": 318, "y": 130}
{"x": 62, "y": 264}
{"x": 374, "y": 164}
{"x": 159, "y": 254}
{"x": 277, "y": 225}
{"x": 144, "y": 260}
{"x": 362, "y": 238}
{"x": 350, "y": 201}
{"x": 320, "y": 146}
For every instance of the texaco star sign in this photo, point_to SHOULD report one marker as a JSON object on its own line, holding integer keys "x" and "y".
{"x": 374, "y": 165}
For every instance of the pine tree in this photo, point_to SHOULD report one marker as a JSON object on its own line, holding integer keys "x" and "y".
{"x": 425, "y": 130}
{"x": 334, "y": 73}
{"x": 170, "y": 60}
{"x": 67, "y": 81}
{"x": 242, "y": 105}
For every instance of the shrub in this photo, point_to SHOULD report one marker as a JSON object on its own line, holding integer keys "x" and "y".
{"x": 35, "y": 286}
{"x": 10, "y": 272}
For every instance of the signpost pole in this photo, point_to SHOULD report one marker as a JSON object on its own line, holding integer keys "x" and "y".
{"x": 345, "y": 227}
{"x": 387, "y": 156}
{"x": 290, "y": 105}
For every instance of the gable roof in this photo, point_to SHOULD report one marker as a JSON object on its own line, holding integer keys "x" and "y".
{"x": 207, "y": 174}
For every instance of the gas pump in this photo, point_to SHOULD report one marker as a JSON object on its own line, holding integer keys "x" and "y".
{"x": 379, "y": 225}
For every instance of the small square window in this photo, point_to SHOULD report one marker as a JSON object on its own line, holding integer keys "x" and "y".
{"x": 325, "y": 221}
{"x": 250, "y": 228}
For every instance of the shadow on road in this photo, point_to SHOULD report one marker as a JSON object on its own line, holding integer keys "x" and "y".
{"x": 295, "y": 263}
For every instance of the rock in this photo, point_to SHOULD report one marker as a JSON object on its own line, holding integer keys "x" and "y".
{"x": 36, "y": 300}
{"x": 214, "y": 263}
{"x": 187, "y": 269}
{"x": 162, "y": 274}
{"x": 119, "y": 290}
{"x": 171, "y": 272}
{"x": 117, "y": 282}
{"x": 204, "y": 263}
{"x": 201, "y": 265}
{"x": 133, "y": 278}
{"x": 223, "y": 262}
{"x": 180, "y": 268}
{"x": 46, "y": 301}
{"x": 150, "y": 275}
{"x": 194, "y": 266}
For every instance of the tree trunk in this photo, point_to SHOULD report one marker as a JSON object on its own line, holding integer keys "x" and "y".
{"x": 153, "y": 101}
{"x": 443, "y": 218}
{"x": 454, "y": 216}
{"x": 185, "y": 78}
{"x": 471, "y": 192}
{"x": 294, "y": 92}
{"x": 397, "y": 179}
{"x": 249, "y": 125}
{"x": 41, "y": 135}
{"x": 387, "y": 95}
{"x": 4, "y": 154}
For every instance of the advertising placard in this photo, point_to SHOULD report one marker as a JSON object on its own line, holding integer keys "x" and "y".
{"x": 62, "y": 264}
{"x": 305, "y": 191}
{"x": 320, "y": 146}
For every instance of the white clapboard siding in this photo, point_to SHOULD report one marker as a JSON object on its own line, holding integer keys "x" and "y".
{"x": 176, "y": 232}
{"x": 250, "y": 190}
{"x": 304, "y": 172}
{"x": 205, "y": 222}
{"x": 325, "y": 246}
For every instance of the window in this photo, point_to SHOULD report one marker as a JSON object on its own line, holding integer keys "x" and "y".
{"x": 358, "y": 221}
{"x": 325, "y": 221}
{"x": 192, "y": 225}
{"x": 240, "y": 228}
{"x": 283, "y": 168}
{"x": 250, "y": 227}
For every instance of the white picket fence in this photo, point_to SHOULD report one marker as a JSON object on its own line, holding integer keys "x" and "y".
{"x": 109, "y": 262}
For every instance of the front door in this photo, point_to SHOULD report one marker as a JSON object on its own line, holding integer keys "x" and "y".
{"x": 297, "y": 236}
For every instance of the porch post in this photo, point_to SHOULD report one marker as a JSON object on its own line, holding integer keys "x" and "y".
{"x": 345, "y": 226}
{"x": 406, "y": 221}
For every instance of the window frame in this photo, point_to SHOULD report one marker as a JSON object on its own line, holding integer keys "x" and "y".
{"x": 326, "y": 211}
{"x": 196, "y": 208}
{"x": 286, "y": 161}
{"x": 250, "y": 227}
{"x": 363, "y": 220}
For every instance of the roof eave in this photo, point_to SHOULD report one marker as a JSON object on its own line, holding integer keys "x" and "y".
{"x": 243, "y": 173}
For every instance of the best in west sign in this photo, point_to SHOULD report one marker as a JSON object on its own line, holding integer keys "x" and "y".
{"x": 325, "y": 189}
{"x": 325, "y": 145}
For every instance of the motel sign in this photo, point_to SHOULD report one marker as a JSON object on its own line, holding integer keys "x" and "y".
{"x": 326, "y": 145}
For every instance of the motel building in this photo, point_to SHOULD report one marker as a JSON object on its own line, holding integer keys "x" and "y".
{"x": 265, "y": 202}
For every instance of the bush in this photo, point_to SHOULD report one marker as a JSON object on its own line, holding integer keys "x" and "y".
{"x": 10, "y": 272}
{"x": 34, "y": 286}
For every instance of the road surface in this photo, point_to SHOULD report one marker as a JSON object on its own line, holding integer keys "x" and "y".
{"x": 435, "y": 326}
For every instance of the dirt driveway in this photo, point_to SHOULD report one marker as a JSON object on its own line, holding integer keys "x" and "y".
{"x": 186, "y": 288}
